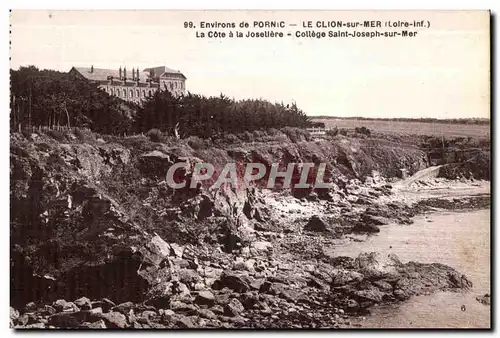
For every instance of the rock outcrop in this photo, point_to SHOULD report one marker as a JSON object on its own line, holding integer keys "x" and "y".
{"x": 99, "y": 240}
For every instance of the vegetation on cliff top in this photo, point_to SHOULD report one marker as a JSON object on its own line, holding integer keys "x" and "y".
{"x": 47, "y": 98}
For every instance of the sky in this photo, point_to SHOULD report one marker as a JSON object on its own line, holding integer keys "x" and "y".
{"x": 442, "y": 72}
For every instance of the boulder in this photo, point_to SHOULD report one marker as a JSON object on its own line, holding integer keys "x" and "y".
{"x": 30, "y": 307}
{"x": 104, "y": 303}
{"x": 185, "y": 322}
{"x": 342, "y": 277}
{"x": 485, "y": 300}
{"x": 63, "y": 306}
{"x": 232, "y": 281}
{"x": 375, "y": 265}
{"x": 183, "y": 308}
{"x": 374, "y": 219}
{"x": 95, "y": 325}
{"x": 261, "y": 247}
{"x": 114, "y": 320}
{"x": 68, "y": 320}
{"x": 83, "y": 303}
{"x": 206, "y": 313}
{"x": 14, "y": 314}
{"x": 233, "y": 308}
{"x": 177, "y": 249}
{"x": 124, "y": 308}
{"x": 316, "y": 224}
{"x": 365, "y": 227}
{"x": 205, "y": 298}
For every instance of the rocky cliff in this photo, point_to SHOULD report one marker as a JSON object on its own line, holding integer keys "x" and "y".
{"x": 94, "y": 218}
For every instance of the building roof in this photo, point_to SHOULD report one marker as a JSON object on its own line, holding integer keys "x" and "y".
{"x": 101, "y": 74}
{"x": 162, "y": 71}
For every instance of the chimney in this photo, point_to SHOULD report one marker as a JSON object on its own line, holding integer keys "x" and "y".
{"x": 138, "y": 78}
{"x": 125, "y": 73}
{"x": 92, "y": 68}
{"x": 133, "y": 74}
{"x": 120, "y": 72}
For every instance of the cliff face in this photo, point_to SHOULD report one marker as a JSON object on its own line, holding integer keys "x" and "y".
{"x": 93, "y": 217}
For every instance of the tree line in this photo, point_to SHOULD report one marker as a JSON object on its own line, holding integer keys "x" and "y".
{"x": 48, "y": 98}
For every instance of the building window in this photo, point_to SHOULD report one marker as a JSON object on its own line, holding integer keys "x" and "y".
{"x": 137, "y": 93}
{"x": 171, "y": 86}
{"x": 149, "y": 92}
{"x": 143, "y": 93}
{"x": 124, "y": 93}
{"x": 131, "y": 93}
{"x": 118, "y": 92}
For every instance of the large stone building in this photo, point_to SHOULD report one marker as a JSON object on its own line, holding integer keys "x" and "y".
{"x": 134, "y": 85}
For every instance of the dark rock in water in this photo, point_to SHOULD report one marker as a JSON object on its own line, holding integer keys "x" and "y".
{"x": 486, "y": 299}
{"x": 460, "y": 281}
{"x": 375, "y": 265}
{"x": 374, "y": 278}
{"x": 365, "y": 227}
{"x": 316, "y": 224}
{"x": 405, "y": 220}
{"x": 352, "y": 305}
{"x": 371, "y": 294}
{"x": 234, "y": 308}
{"x": 374, "y": 219}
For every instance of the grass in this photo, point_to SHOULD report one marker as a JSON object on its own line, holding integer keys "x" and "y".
{"x": 410, "y": 128}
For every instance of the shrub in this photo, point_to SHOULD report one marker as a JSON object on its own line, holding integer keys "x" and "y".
{"x": 196, "y": 143}
{"x": 84, "y": 136}
{"x": 272, "y": 131}
{"x": 332, "y": 132}
{"x": 363, "y": 130}
{"x": 57, "y": 135}
{"x": 295, "y": 134}
{"x": 259, "y": 134}
{"x": 343, "y": 131}
{"x": 231, "y": 138}
{"x": 155, "y": 135}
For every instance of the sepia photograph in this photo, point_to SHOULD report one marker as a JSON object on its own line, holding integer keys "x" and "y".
{"x": 250, "y": 169}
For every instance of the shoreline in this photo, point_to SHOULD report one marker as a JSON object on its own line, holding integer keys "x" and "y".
{"x": 290, "y": 301}
{"x": 422, "y": 311}
{"x": 214, "y": 258}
